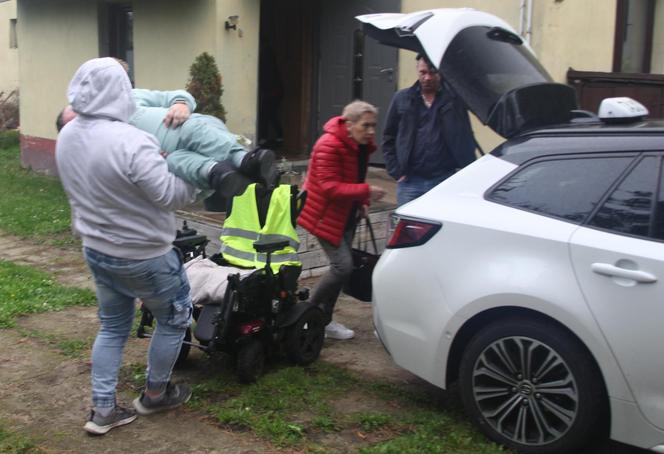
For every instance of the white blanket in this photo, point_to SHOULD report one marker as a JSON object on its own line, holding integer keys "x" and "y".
{"x": 208, "y": 280}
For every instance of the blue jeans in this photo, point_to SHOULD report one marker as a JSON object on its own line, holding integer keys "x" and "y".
{"x": 413, "y": 187}
{"x": 162, "y": 285}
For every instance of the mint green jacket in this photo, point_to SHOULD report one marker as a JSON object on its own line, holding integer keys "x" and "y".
{"x": 193, "y": 147}
{"x": 151, "y": 108}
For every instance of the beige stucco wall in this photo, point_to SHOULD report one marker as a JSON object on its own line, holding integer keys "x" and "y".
{"x": 63, "y": 34}
{"x": 567, "y": 33}
{"x": 8, "y": 57}
{"x": 168, "y": 35}
{"x": 574, "y": 33}
{"x": 237, "y": 57}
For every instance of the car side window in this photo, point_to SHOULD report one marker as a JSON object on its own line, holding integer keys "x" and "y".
{"x": 563, "y": 188}
{"x": 629, "y": 208}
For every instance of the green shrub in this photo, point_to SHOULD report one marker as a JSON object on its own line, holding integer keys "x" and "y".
{"x": 205, "y": 86}
{"x": 9, "y": 111}
{"x": 8, "y": 138}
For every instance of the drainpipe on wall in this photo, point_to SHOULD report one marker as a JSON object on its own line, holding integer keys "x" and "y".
{"x": 522, "y": 15}
{"x": 529, "y": 22}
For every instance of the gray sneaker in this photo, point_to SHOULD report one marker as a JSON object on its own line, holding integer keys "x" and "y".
{"x": 174, "y": 396}
{"x": 99, "y": 425}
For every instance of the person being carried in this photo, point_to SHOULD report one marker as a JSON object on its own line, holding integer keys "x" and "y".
{"x": 336, "y": 195}
{"x": 199, "y": 148}
{"x": 124, "y": 198}
{"x": 427, "y": 134}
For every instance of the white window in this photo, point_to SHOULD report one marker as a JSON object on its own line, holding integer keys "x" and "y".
{"x": 13, "y": 41}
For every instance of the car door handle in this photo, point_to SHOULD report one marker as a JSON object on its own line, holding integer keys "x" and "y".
{"x": 606, "y": 269}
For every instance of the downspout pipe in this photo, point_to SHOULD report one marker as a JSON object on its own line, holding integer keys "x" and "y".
{"x": 529, "y": 22}
{"x": 522, "y": 17}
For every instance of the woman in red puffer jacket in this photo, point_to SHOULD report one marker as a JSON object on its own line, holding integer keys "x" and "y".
{"x": 336, "y": 195}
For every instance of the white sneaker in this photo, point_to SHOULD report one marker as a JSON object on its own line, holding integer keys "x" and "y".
{"x": 335, "y": 330}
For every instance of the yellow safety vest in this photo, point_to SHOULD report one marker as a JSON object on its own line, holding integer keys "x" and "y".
{"x": 242, "y": 228}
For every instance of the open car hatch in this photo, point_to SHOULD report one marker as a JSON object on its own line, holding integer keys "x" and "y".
{"x": 484, "y": 61}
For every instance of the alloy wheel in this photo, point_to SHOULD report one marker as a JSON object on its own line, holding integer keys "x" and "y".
{"x": 525, "y": 390}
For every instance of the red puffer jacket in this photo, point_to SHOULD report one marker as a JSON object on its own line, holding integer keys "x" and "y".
{"x": 332, "y": 183}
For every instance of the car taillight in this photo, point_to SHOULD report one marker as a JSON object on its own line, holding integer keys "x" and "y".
{"x": 411, "y": 232}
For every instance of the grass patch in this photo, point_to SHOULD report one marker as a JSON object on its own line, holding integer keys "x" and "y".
{"x": 71, "y": 348}
{"x": 295, "y": 407}
{"x": 25, "y": 290}
{"x": 9, "y": 138}
{"x": 14, "y": 443}
{"x": 32, "y": 206}
{"x": 372, "y": 421}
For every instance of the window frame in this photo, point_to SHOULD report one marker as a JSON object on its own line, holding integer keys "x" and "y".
{"x": 621, "y": 34}
{"x": 13, "y": 33}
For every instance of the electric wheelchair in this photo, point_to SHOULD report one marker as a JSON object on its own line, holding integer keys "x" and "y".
{"x": 261, "y": 314}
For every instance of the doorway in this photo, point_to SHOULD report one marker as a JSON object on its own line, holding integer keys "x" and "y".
{"x": 314, "y": 60}
{"x": 286, "y": 73}
{"x": 352, "y": 66}
{"x": 116, "y": 25}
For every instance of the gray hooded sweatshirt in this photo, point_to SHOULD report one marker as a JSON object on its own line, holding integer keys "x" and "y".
{"x": 118, "y": 184}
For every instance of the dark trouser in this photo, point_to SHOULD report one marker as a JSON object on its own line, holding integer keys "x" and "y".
{"x": 413, "y": 186}
{"x": 327, "y": 290}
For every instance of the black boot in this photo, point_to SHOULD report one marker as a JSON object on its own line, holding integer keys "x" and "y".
{"x": 259, "y": 165}
{"x": 227, "y": 181}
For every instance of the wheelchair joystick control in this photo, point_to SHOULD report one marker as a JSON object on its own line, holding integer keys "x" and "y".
{"x": 185, "y": 231}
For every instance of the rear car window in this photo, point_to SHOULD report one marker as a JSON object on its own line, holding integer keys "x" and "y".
{"x": 567, "y": 189}
{"x": 629, "y": 209}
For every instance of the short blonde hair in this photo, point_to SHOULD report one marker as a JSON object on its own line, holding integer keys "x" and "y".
{"x": 354, "y": 111}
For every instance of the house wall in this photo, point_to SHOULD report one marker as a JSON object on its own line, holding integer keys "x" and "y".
{"x": 237, "y": 57}
{"x": 8, "y": 57}
{"x": 55, "y": 36}
{"x": 565, "y": 33}
{"x": 168, "y": 35}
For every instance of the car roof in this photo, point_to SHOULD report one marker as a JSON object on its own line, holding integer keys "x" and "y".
{"x": 585, "y": 137}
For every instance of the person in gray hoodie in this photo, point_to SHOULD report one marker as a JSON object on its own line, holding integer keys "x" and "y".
{"x": 124, "y": 198}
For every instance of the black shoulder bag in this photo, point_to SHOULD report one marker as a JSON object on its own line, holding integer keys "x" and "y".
{"x": 359, "y": 284}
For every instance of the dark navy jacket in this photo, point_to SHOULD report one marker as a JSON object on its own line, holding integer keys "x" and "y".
{"x": 401, "y": 127}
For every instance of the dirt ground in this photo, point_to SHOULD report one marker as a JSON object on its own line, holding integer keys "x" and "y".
{"x": 46, "y": 397}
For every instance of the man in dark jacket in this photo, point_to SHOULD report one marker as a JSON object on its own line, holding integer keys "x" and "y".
{"x": 427, "y": 134}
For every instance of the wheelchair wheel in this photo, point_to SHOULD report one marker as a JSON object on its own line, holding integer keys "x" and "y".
{"x": 184, "y": 350}
{"x": 251, "y": 360}
{"x": 304, "y": 339}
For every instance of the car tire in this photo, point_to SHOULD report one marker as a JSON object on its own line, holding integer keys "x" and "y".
{"x": 530, "y": 385}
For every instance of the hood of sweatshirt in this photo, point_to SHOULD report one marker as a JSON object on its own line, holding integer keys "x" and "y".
{"x": 101, "y": 88}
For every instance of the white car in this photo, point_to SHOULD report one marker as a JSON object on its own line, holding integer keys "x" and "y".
{"x": 534, "y": 276}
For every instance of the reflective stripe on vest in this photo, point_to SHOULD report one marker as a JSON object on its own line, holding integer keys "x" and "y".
{"x": 242, "y": 229}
